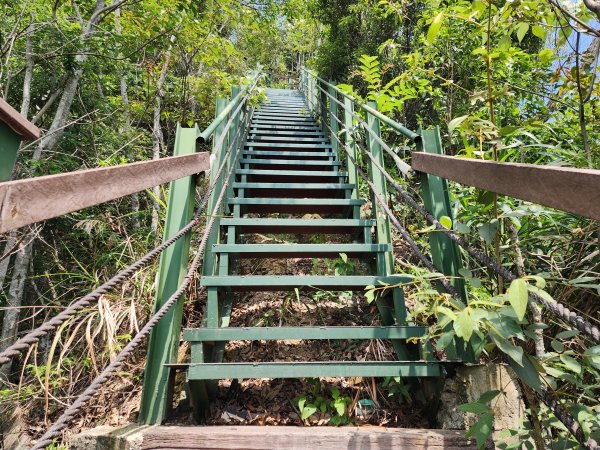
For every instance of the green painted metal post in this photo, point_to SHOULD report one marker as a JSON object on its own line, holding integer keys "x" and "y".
{"x": 445, "y": 253}
{"x": 164, "y": 340}
{"x": 209, "y": 265}
{"x": 333, "y": 115}
{"x": 351, "y": 147}
{"x": 232, "y": 132}
{"x": 9, "y": 147}
{"x": 385, "y": 261}
{"x": 323, "y": 110}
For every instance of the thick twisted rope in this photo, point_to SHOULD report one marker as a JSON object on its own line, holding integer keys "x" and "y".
{"x": 71, "y": 412}
{"x": 34, "y": 336}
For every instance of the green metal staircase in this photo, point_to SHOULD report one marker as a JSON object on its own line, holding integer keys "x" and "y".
{"x": 289, "y": 170}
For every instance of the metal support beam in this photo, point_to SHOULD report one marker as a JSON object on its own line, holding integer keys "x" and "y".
{"x": 385, "y": 262}
{"x": 351, "y": 147}
{"x": 164, "y": 340}
{"x": 333, "y": 123}
{"x": 9, "y": 147}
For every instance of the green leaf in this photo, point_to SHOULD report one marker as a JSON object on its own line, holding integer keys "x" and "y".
{"x": 567, "y": 334}
{"x": 434, "y": 28}
{"x": 488, "y": 231}
{"x": 344, "y": 257}
{"x": 308, "y": 411}
{"x": 444, "y": 340}
{"x": 527, "y": 373}
{"x": 370, "y": 296}
{"x": 571, "y": 363}
{"x": 546, "y": 56}
{"x": 539, "y": 32}
{"x": 488, "y": 396}
{"x": 504, "y": 44}
{"x": 455, "y": 123}
{"x": 446, "y": 222}
{"x": 558, "y": 346}
{"x": 476, "y": 408}
{"x": 482, "y": 429}
{"x": 464, "y": 324}
{"x": 513, "y": 352}
{"x": 517, "y": 296}
{"x": 522, "y": 29}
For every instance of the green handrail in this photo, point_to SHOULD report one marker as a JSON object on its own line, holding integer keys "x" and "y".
{"x": 415, "y": 137}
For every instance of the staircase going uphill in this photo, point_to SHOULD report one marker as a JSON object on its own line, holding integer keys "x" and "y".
{"x": 289, "y": 181}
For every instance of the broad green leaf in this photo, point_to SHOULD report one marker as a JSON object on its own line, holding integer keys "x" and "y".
{"x": 522, "y": 29}
{"x": 482, "y": 430}
{"x": 558, "y": 346}
{"x": 538, "y": 31}
{"x": 571, "y": 363}
{"x": 476, "y": 408}
{"x": 567, "y": 334}
{"x": 527, "y": 373}
{"x": 504, "y": 43}
{"x": 488, "y": 231}
{"x": 344, "y": 257}
{"x": 446, "y": 222}
{"x": 370, "y": 296}
{"x": 455, "y": 123}
{"x": 464, "y": 324}
{"x": 513, "y": 352}
{"x": 308, "y": 411}
{"x": 444, "y": 340}
{"x": 434, "y": 28}
{"x": 488, "y": 396}
{"x": 517, "y": 296}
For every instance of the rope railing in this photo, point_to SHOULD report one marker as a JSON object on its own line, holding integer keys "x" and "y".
{"x": 547, "y": 396}
{"x": 35, "y": 335}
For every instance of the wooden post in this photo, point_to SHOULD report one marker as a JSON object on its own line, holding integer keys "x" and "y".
{"x": 164, "y": 339}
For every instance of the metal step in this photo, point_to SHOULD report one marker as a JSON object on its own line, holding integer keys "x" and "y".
{"x": 267, "y": 133}
{"x": 365, "y": 251}
{"x": 288, "y": 139}
{"x": 324, "y": 206}
{"x": 294, "y": 190}
{"x": 288, "y": 154}
{"x": 308, "y": 333}
{"x": 298, "y": 226}
{"x": 291, "y": 164}
{"x": 288, "y": 145}
{"x": 309, "y": 282}
{"x": 216, "y": 371}
{"x": 284, "y": 176}
{"x": 264, "y": 126}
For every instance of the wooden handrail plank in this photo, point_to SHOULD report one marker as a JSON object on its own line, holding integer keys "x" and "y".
{"x": 23, "y": 202}
{"x": 565, "y": 188}
{"x": 19, "y": 124}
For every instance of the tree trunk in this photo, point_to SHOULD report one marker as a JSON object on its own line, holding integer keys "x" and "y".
{"x": 157, "y": 136}
{"x": 135, "y": 198}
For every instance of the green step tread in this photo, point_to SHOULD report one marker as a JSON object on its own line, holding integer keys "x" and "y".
{"x": 290, "y": 138}
{"x": 291, "y": 173}
{"x": 288, "y": 153}
{"x": 332, "y": 186}
{"x": 296, "y": 201}
{"x": 278, "y": 145}
{"x": 291, "y": 282}
{"x": 216, "y": 371}
{"x": 289, "y": 162}
{"x": 301, "y": 250}
{"x": 298, "y": 226}
{"x": 308, "y": 333}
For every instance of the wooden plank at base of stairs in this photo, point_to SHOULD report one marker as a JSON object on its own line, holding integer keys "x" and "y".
{"x": 301, "y": 438}
{"x": 313, "y": 369}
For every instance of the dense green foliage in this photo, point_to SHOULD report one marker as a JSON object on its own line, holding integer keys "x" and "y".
{"x": 511, "y": 81}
